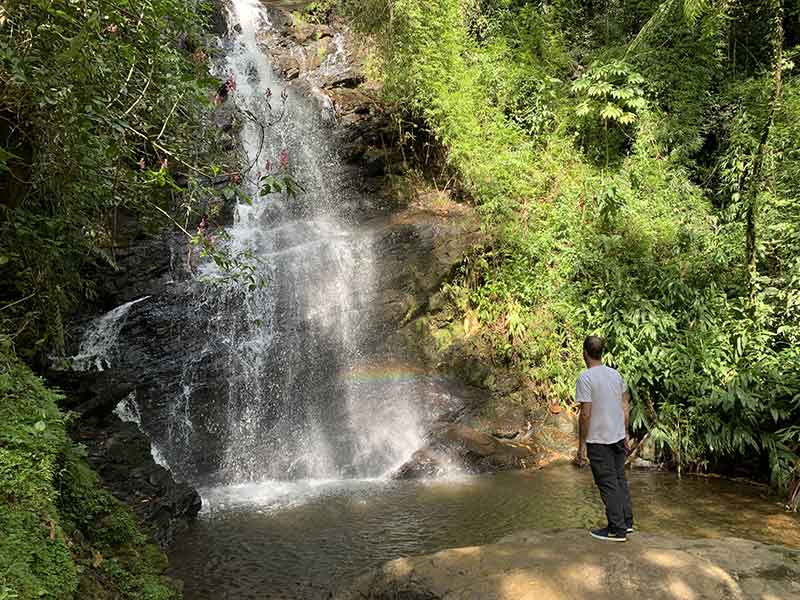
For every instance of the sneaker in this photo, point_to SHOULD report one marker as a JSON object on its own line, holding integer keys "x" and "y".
{"x": 629, "y": 530}
{"x": 607, "y": 535}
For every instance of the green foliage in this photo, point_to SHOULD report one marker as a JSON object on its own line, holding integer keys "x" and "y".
{"x": 610, "y": 98}
{"x": 318, "y": 11}
{"x": 102, "y": 108}
{"x": 683, "y": 64}
{"x": 641, "y": 238}
{"x": 63, "y": 535}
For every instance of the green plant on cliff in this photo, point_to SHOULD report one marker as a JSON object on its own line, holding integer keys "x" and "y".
{"x": 646, "y": 193}
{"x": 63, "y": 536}
{"x": 317, "y": 11}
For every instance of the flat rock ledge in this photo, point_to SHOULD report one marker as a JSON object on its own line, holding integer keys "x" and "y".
{"x": 569, "y": 564}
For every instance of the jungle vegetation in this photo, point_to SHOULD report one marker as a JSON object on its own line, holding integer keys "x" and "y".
{"x": 636, "y": 164}
{"x": 637, "y": 167}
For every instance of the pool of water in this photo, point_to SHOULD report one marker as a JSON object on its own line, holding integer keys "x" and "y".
{"x": 302, "y": 540}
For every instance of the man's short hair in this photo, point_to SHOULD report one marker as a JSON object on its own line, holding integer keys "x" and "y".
{"x": 594, "y": 346}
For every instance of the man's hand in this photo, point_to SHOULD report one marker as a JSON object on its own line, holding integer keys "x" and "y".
{"x": 580, "y": 457}
{"x": 627, "y": 443}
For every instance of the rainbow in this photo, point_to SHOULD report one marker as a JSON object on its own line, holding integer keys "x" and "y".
{"x": 384, "y": 373}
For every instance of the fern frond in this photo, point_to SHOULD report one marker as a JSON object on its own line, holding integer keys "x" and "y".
{"x": 693, "y": 9}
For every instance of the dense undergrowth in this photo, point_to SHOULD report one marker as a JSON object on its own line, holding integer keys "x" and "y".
{"x": 63, "y": 535}
{"x": 624, "y": 155}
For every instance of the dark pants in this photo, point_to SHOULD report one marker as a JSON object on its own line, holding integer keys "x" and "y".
{"x": 608, "y": 468}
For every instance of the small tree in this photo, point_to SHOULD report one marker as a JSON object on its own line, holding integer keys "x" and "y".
{"x": 610, "y": 99}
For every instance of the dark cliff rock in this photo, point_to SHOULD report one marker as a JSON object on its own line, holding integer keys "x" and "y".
{"x": 121, "y": 455}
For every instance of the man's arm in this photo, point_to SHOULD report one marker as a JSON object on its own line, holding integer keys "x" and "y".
{"x": 584, "y": 418}
{"x": 583, "y": 396}
{"x": 626, "y": 410}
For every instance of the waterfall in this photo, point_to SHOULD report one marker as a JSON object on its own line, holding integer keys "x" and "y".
{"x": 99, "y": 339}
{"x": 305, "y": 398}
{"x": 127, "y": 410}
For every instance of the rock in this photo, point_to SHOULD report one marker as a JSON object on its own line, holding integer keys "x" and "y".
{"x": 291, "y": 72}
{"x": 564, "y": 421}
{"x": 121, "y": 455}
{"x": 568, "y": 564}
{"x": 288, "y": 64}
{"x": 374, "y": 161}
{"x": 303, "y": 32}
{"x": 345, "y": 78}
{"x": 641, "y": 463}
{"x": 647, "y": 450}
{"x": 350, "y": 101}
{"x": 460, "y": 447}
{"x": 225, "y": 117}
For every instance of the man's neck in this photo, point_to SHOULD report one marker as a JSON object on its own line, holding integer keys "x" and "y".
{"x": 593, "y": 363}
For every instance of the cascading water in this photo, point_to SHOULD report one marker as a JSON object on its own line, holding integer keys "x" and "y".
{"x": 127, "y": 410}
{"x": 100, "y": 337}
{"x": 302, "y": 399}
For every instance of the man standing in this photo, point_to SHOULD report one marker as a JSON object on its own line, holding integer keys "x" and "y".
{"x": 603, "y": 431}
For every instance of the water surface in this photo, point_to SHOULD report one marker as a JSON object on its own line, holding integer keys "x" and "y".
{"x": 303, "y": 539}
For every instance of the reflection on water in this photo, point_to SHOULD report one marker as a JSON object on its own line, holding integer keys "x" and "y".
{"x": 301, "y": 540}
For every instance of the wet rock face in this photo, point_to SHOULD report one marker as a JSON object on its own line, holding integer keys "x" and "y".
{"x": 569, "y": 564}
{"x": 143, "y": 264}
{"x": 159, "y": 338}
{"x": 323, "y": 63}
{"x": 120, "y": 453}
{"x": 417, "y": 252}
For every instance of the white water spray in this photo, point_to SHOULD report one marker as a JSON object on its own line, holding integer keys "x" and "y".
{"x": 127, "y": 410}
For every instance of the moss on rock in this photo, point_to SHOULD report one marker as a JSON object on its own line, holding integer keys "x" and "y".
{"x": 64, "y": 536}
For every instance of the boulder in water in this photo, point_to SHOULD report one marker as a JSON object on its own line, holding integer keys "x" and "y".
{"x": 458, "y": 447}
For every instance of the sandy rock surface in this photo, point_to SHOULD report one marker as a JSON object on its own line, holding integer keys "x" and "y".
{"x": 569, "y": 564}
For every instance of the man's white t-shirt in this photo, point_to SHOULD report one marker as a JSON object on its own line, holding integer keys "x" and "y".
{"x": 603, "y": 387}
